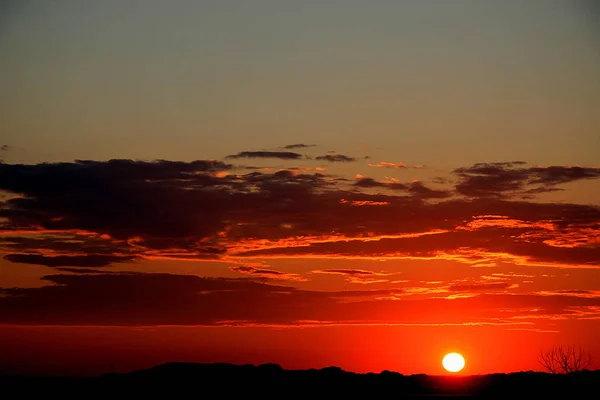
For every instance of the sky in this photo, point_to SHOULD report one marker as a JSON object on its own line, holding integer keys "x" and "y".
{"x": 369, "y": 185}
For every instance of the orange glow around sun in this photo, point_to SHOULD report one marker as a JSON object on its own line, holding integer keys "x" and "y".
{"x": 453, "y": 362}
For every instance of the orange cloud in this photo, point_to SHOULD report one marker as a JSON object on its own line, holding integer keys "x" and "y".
{"x": 502, "y": 221}
{"x": 355, "y": 275}
{"x": 386, "y": 164}
{"x": 317, "y": 324}
{"x": 266, "y": 273}
{"x": 365, "y": 202}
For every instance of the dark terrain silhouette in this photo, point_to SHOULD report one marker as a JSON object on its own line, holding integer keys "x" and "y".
{"x": 269, "y": 378}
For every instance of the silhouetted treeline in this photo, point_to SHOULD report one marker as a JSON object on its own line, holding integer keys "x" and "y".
{"x": 269, "y": 378}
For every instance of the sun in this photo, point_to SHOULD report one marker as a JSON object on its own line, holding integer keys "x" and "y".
{"x": 453, "y": 362}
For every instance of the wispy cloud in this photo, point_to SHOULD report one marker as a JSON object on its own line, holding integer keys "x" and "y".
{"x": 400, "y": 165}
{"x": 386, "y": 164}
{"x": 335, "y": 158}
{"x": 298, "y": 146}
{"x": 355, "y": 275}
{"x": 266, "y": 273}
{"x": 89, "y": 260}
{"x": 415, "y": 188}
{"x": 283, "y": 155}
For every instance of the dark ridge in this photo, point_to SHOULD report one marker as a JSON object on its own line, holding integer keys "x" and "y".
{"x": 269, "y": 378}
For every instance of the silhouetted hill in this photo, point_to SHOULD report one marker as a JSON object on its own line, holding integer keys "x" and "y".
{"x": 271, "y": 378}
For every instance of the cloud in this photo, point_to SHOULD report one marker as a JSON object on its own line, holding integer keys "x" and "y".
{"x": 85, "y": 174}
{"x": 507, "y": 179}
{"x": 386, "y": 164}
{"x": 365, "y": 182}
{"x": 91, "y": 260}
{"x": 416, "y": 188}
{"x": 470, "y": 287}
{"x": 55, "y": 242}
{"x": 5, "y": 147}
{"x": 266, "y": 273}
{"x": 86, "y": 271}
{"x": 483, "y": 247}
{"x": 283, "y": 155}
{"x": 159, "y": 299}
{"x": 298, "y": 146}
{"x": 355, "y": 275}
{"x": 525, "y": 242}
{"x": 576, "y": 293}
{"x": 360, "y": 203}
{"x": 135, "y": 299}
{"x": 255, "y": 168}
{"x": 335, "y": 158}
{"x": 177, "y": 210}
{"x": 501, "y": 276}
{"x": 87, "y": 214}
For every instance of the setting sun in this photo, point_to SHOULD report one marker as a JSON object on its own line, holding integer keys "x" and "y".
{"x": 453, "y": 362}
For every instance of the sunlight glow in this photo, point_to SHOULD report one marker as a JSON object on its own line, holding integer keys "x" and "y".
{"x": 453, "y": 362}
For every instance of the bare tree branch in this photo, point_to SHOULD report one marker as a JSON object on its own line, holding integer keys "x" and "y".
{"x": 546, "y": 359}
{"x": 565, "y": 359}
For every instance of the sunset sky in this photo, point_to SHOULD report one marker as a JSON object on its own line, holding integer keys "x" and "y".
{"x": 365, "y": 184}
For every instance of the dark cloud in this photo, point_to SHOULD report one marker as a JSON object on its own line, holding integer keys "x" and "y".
{"x": 475, "y": 287}
{"x": 557, "y": 175}
{"x": 416, "y": 188}
{"x": 335, "y": 158}
{"x": 201, "y": 210}
{"x": 355, "y": 275}
{"x": 122, "y": 198}
{"x": 514, "y": 179}
{"x": 442, "y": 180}
{"x": 5, "y": 147}
{"x": 86, "y": 271}
{"x": 481, "y": 246}
{"x": 87, "y": 214}
{"x": 482, "y": 180}
{"x": 535, "y": 233}
{"x": 351, "y": 272}
{"x": 142, "y": 299}
{"x": 298, "y": 146}
{"x": 132, "y": 206}
{"x": 265, "y": 273}
{"x": 372, "y": 183}
{"x": 255, "y": 271}
{"x": 92, "y": 260}
{"x": 255, "y": 168}
{"x": 162, "y": 299}
{"x": 61, "y": 243}
{"x": 98, "y": 175}
{"x": 283, "y": 155}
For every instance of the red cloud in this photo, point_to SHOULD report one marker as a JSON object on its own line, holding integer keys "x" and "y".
{"x": 163, "y": 299}
{"x": 355, "y": 275}
{"x": 266, "y": 273}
